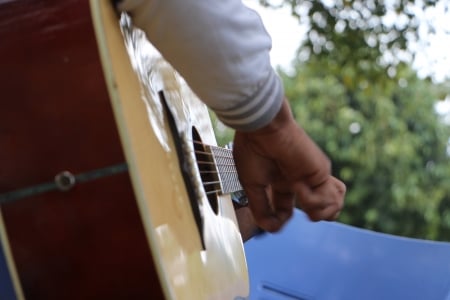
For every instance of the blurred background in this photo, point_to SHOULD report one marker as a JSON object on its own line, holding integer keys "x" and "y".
{"x": 369, "y": 80}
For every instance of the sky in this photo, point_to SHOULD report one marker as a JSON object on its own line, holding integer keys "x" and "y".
{"x": 285, "y": 31}
{"x": 433, "y": 58}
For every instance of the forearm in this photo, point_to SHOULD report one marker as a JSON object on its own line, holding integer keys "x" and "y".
{"x": 221, "y": 48}
{"x": 285, "y": 141}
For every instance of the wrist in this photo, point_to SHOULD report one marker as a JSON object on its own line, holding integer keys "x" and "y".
{"x": 280, "y": 136}
{"x": 283, "y": 119}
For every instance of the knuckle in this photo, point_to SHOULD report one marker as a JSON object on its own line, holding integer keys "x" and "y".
{"x": 315, "y": 217}
{"x": 271, "y": 225}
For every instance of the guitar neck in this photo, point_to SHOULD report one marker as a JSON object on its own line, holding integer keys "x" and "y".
{"x": 225, "y": 173}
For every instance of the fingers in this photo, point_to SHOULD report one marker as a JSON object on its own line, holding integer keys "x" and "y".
{"x": 283, "y": 203}
{"x": 329, "y": 213}
{"x": 260, "y": 206}
{"x": 271, "y": 209}
{"x": 323, "y": 202}
{"x": 291, "y": 164}
{"x": 246, "y": 223}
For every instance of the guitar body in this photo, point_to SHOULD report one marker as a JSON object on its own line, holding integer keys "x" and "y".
{"x": 106, "y": 237}
{"x": 194, "y": 238}
{"x": 88, "y": 242}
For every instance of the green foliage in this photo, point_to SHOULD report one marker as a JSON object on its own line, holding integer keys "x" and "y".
{"x": 224, "y": 134}
{"x": 355, "y": 93}
{"x": 360, "y": 32}
{"x": 386, "y": 143}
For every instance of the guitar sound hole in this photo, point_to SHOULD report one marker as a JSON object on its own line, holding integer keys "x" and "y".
{"x": 207, "y": 171}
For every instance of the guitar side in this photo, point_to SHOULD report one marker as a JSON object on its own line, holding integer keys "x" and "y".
{"x": 10, "y": 287}
{"x": 209, "y": 264}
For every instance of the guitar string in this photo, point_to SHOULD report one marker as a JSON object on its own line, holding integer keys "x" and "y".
{"x": 209, "y": 164}
{"x": 217, "y": 181}
{"x": 228, "y": 156}
{"x": 218, "y": 172}
{"x": 14, "y": 195}
{"x": 224, "y": 181}
{"x": 213, "y": 155}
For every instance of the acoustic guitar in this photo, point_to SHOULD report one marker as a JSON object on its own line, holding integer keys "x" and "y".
{"x": 80, "y": 103}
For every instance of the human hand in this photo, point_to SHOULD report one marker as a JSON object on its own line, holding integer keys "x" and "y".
{"x": 280, "y": 164}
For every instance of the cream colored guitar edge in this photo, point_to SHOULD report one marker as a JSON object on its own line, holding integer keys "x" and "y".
{"x": 193, "y": 261}
{"x": 4, "y": 243}
{"x": 104, "y": 22}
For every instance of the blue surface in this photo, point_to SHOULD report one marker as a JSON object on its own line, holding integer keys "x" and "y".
{"x": 6, "y": 286}
{"x": 332, "y": 261}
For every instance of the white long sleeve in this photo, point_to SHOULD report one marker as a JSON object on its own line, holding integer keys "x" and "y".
{"x": 221, "y": 48}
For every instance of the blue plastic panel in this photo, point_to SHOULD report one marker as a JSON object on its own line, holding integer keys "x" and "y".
{"x": 332, "y": 261}
{"x": 6, "y": 286}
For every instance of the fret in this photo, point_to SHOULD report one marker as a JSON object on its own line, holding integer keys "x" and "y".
{"x": 226, "y": 169}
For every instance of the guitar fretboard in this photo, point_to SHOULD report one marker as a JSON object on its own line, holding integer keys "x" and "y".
{"x": 226, "y": 169}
